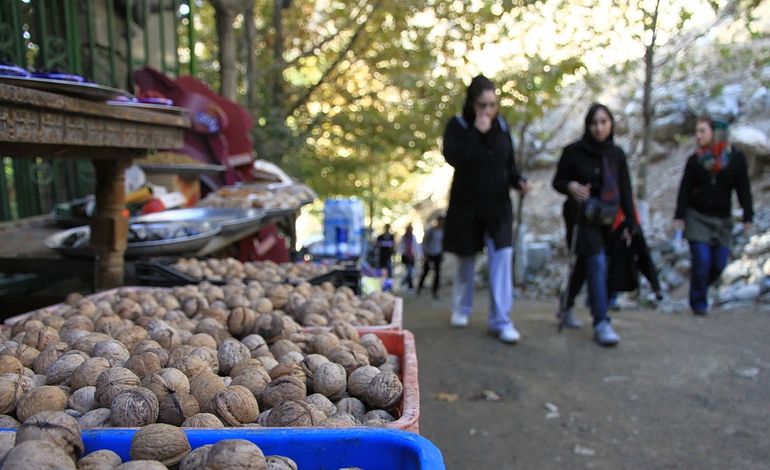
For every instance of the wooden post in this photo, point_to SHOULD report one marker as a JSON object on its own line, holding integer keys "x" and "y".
{"x": 109, "y": 228}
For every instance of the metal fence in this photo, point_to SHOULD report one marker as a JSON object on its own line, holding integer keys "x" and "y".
{"x": 102, "y": 40}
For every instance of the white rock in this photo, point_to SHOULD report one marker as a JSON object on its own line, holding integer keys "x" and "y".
{"x": 750, "y": 140}
{"x": 584, "y": 451}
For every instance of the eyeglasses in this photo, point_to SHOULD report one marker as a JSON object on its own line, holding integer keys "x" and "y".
{"x": 485, "y": 105}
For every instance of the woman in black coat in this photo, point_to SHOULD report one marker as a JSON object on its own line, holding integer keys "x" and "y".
{"x": 593, "y": 173}
{"x": 478, "y": 145}
{"x": 704, "y": 206}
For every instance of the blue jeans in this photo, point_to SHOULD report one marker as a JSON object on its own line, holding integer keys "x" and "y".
{"x": 708, "y": 262}
{"x": 596, "y": 267}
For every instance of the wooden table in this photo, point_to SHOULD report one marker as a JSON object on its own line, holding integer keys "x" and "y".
{"x": 36, "y": 123}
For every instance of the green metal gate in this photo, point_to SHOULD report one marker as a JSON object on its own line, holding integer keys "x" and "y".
{"x": 103, "y": 40}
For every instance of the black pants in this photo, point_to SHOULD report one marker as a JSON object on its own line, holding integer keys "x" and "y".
{"x": 431, "y": 262}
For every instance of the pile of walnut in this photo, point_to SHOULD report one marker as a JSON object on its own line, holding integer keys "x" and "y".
{"x": 52, "y": 440}
{"x": 195, "y": 357}
{"x": 226, "y": 269}
{"x": 255, "y": 195}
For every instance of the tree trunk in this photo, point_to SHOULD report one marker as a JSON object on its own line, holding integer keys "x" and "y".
{"x": 647, "y": 107}
{"x": 278, "y": 60}
{"x": 250, "y": 34}
{"x": 228, "y": 76}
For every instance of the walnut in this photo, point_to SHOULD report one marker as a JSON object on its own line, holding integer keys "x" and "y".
{"x": 393, "y": 364}
{"x": 56, "y": 322}
{"x": 283, "y": 388}
{"x": 375, "y": 348}
{"x": 42, "y": 338}
{"x": 204, "y": 387}
{"x": 112, "y": 382}
{"x": 144, "y": 364}
{"x": 167, "y": 381}
{"x": 235, "y": 405}
{"x": 290, "y": 368}
{"x": 82, "y": 400}
{"x": 384, "y": 391}
{"x": 355, "y": 347}
{"x": 378, "y": 415}
{"x": 113, "y": 351}
{"x": 142, "y": 465}
{"x": 135, "y": 407}
{"x": 40, "y": 455}
{"x": 257, "y": 345}
{"x": 213, "y": 328}
{"x": 330, "y": 379}
{"x": 283, "y": 346}
{"x": 11, "y": 365}
{"x": 87, "y": 343}
{"x": 45, "y": 398}
{"x": 88, "y": 371}
{"x": 47, "y": 357}
{"x": 8, "y": 422}
{"x": 165, "y": 335}
{"x": 98, "y": 418}
{"x": 192, "y": 366}
{"x": 73, "y": 298}
{"x": 132, "y": 336}
{"x": 340, "y": 420}
{"x": 353, "y": 406}
{"x": 60, "y": 372}
{"x": 209, "y": 355}
{"x": 323, "y": 343}
{"x": 72, "y": 336}
{"x": 255, "y": 379}
{"x": 309, "y": 365}
{"x": 196, "y": 459}
{"x": 203, "y": 420}
{"x": 294, "y": 413}
{"x": 25, "y": 354}
{"x": 7, "y": 441}
{"x": 202, "y": 339}
{"x": 268, "y": 362}
{"x": 322, "y": 403}
{"x": 99, "y": 460}
{"x": 176, "y": 407}
{"x": 249, "y": 365}
{"x": 145, "y": 345}
{"x": 262, "y": 418}
{"x": 347, "y": 358}
{"x": 263, "y": 306}
{"x": 109, "y": 325}
{"x": 359, "y": 380}
{"x": 194, "y": 305}
{"x": 235, "y": 454}
{"x": 271, "y": 327}
{"x": 278, "y": 295}
{"x": 279, "y": 462}
{"x": 162, "y": 442}
{"x": 230, "y": 353}
{"x": 53, "y": 426}
{"x": 241, "y": 321}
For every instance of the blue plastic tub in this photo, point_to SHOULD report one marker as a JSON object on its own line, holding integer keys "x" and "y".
{"x": 312, "y": 449}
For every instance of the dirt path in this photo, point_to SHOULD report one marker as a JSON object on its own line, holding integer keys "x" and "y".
{"x": 679, "y": 392}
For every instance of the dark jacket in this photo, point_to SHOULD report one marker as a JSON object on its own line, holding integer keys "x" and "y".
{"x": 579, "y": 163}
{"x": 479, "y": 201}
{"x": 712, "y": 194}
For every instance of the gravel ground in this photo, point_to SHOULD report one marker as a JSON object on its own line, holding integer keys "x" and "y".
{"x": 678, "y": 392}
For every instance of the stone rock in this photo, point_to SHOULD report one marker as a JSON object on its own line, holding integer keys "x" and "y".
{"x": 726, "y": 105}
{"x": 753, "y": 142}
{"x": 671, "y": 277}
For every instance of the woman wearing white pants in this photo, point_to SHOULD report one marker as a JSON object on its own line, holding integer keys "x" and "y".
{"x": 478, "y": 145}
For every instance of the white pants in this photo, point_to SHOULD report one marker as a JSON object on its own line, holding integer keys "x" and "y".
{"x": 500, "y": 285}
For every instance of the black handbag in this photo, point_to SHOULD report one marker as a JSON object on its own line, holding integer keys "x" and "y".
{"x": 598, "y": 212}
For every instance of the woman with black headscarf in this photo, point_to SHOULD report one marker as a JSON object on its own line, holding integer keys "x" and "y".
{"x": 593, "y": 173}
{"x": 478, "y": 145}
{"x": 704, "y": 205}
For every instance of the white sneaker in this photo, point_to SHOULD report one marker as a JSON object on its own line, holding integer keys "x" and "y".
{"x": 509, "y": 334}
{"x": 458, "y": 320}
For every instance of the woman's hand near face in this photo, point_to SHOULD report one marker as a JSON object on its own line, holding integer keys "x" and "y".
{"x": 578, "y": 191}
{"x": 483, "y": 123}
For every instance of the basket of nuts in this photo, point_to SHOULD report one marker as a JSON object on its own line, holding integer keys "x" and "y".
{"x": 132, "y": 357}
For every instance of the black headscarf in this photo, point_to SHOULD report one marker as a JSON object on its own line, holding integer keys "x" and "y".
{"x": 478, "y": 86}
{"x": 610, "y": 191}
{"x": 594, "y": 146}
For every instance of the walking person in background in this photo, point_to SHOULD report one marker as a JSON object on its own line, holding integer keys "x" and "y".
{"x": 431, "y": 247}
{"x": 704, "y": 205}
{"x": 593, "y": 173}
{"x": 409, "y": 250}
{"x": 477, "y": 143}
{"x": 385, "y": 245}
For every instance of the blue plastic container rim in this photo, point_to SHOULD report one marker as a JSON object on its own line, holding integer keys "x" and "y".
{"x": 311, "y": 449}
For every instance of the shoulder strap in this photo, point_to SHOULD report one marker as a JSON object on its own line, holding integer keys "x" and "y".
{"x": 503, "y": 124}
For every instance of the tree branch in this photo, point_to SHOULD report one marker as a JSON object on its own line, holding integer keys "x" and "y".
{"x": 306, "y": 96}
